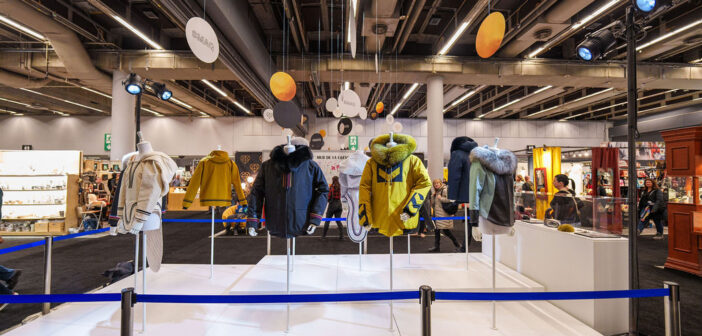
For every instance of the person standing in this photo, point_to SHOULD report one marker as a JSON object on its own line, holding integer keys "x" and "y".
{"x": 10, "y": 277}
{"x": 564, "y": 205}
{"x": 334, "y": 209}
{"x": 442, "y": 225}
{"x": 652, "y": 206}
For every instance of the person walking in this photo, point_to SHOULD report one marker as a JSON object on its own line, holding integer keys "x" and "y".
{"x": 334, "y": 209}
{"x": 442, "y": 225}
{"x": 9, "y": 278}
{"x": 652, "y": 207}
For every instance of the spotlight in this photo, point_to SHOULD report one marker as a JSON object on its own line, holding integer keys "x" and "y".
{"x": 132, "y": 84}
{"x": 161, "y": 91}
{"x": 596, "y": 44}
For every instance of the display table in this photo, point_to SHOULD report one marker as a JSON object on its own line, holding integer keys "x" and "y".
{"x": 568, "y": 262}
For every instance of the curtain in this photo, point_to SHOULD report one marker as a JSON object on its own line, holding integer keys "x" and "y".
{"x": 549, "y": 158}
{"x": 607, "y": 211}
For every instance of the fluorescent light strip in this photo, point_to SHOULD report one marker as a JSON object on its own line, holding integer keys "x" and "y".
{"x": 615, "y": 105}
{"x": 64, "y": 100}
{"x": 453, "y": 38}
{"x": 517, "y": 100}
{"x": 407, "y": 94}
{"x": 697, "y": 60}
{"x": 572, "y": 101}
{"x": 204, "y": 115}
{"x": 242, "y": 107}
{"x": 96, "y": 92}
{"x": 137, "y": 32}
{"x": 16, "y": 102}
{"x": 347, "y": 85}
{"x": 179, "y": 102}
{"x": 22, "y": 28}
{"x": 543, "y": 111}
{"x": 152, "y": 111}
{"x": 213, "y": 87}
{"x": 575, "y": 26}
{"x": 665, "y": 36}
{"x": 63, "y": 114}
{"x": 354, "y": 7}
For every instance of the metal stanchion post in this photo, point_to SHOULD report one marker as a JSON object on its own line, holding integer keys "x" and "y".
{"x": 426, "y": 296}
{"x": 268, "y": 243}
{"x": 391, "y": 284}
{"x": 466, "y": 242}
{"x": 409, "y": 254}
{"x": 212, "y": 243}
{"x": 127, "y": 325}
{"x": 292, "y": 265}
{"x": 48, "y": 242}
{"x": 671, "y": 307}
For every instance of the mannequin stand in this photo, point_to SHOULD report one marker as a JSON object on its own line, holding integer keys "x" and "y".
{"x": 268, "y": 243}
{"x": 292, "y": 265}
{"x": 494, "y": 307}
{"x": 466, "y": 242}
{"x": 360, "y": 256}
{"x": 409, "y": 254}
{"x": 143, "y": 279}
{"x": 287, "y": 286}
{"x": 391, "y": 287}
{"x": 212, "y": 209}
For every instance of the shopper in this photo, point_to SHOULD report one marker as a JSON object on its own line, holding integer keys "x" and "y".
{"x": 234, "y": 212}
{"x": 442, "y": 225}
{"x": 425, "y": 221}
{"x": 518, "y": 183}
{"x": 652, "y": 206}
{"x": 334, "y": 209}
{"x": 564, "y": 206}
{"x": 9, "y": 279}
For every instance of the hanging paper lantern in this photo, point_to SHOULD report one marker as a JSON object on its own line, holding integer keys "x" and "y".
{"x": 283, "y": 86}
{"x": 323, "y": 133}
{"x": 490, "y": 35}
{"x": 379, "y": 107}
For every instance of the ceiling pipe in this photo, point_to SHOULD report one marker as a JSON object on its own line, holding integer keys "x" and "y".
{"x": 64, "y": 41}
{"x": 408, "y": 25}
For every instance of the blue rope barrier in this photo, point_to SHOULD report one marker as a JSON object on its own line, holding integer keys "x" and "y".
{"x": 285, "y": 298}
{"x": 341, "y": 297}
{"x": 548, "y": 296}
{"x": 58, "y": 238}
{"x": 263, "y": 220}
{"x": 60, "y": 298}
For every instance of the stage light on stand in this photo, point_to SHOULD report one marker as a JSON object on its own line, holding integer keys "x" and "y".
{"x": 596, "y": 44}
{"x": 133, "y": 85}
{"x": 645, "y": 5}
{"x": 161, "y": 91}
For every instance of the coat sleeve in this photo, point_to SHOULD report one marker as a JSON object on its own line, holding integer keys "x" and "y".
{"x": 121, "y": 198}
{"x": 256, "y": 197}
{"x": 477, "y": 182}
{"x": 114, "y": 217}
{"x": 320, "y": 192}
{"x": 365, "y": 213}
{"x": 659, "y": 203}
{"x": 149, "y": 191}
{"x": 455, "y": 167}
{"x": 236, "y": 180}
{"x": 421, "y": 187}
{"x": 193, "y": 187}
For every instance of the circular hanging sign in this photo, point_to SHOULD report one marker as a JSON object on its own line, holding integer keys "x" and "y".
{"x": 373, "y": 115}
{"x": 317, "y": 141}
{"x": 344, "y": 126}
{"x": 379, "y": 107}
{"x": 331, "y": 104}
{"x": 318, "y": 101}
{"x": 349, "y": 103}
{"x": 287, "y": 114}
{"x": 283, "y": 86}
{"x": 490, "y": 35}
{"x": 202, "y": 39}
{"x": 323, "y": 133}
{"x": 390, "y": 119}
{"x": 337, "y": 113}
{"x": 358, "y": 129}
{"x": 397, "y": 127}
{"x": 268, "y": 115}
{"x": 363, "y": 113}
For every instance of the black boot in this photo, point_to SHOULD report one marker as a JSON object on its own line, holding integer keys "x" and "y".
{"x": 434, "y": 249}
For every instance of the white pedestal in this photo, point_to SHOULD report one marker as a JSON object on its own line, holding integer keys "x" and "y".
{"x": 568, "y": 262}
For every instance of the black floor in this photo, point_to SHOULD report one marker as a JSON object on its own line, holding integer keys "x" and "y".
{"x": 78, "y": 265}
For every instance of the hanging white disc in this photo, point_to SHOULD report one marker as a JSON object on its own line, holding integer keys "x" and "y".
{"x": 337, "y": 113}
{"x": 268, "y": 115}
{"x": 389, "y": 119}
{"x": 349, "y": 103}
{"x": 363, "y": 113}
{"x": 331, "y": 104}
{"x": 397, "y": 127}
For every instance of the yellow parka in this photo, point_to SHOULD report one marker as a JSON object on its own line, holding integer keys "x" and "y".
{"x": 393, "y": 181}
{"x": 214, "y": 176}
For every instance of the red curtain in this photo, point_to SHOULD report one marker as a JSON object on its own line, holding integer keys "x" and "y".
{"x": 607, "y": 212}
{"x": 606, "y": 157}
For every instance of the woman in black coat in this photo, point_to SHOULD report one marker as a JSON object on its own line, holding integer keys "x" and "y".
{"x": 653, "y": 199}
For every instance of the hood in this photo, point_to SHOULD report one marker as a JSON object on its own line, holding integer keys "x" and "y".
{"x": 463, "y": 143}
{"x": 385, "y": 156}
{"x": 294, "y": 160}
{"x": 167, "y": 165}
{"x": 219, "y": 156}
{"x": 499, "y": 161}
{"x": 354, "y": 164}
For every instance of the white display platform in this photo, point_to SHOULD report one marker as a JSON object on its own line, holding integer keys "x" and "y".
{"x": 568, "y": 262}
{"x": 314, "y": 274}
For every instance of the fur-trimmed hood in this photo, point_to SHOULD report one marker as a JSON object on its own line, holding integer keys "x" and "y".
{"x": 463, "y": 143}
{"x": 388, "y": 157}
{"x": 499, "y": 161}
{"x": 294, "y": 160}
{"x": 354, "y": 164}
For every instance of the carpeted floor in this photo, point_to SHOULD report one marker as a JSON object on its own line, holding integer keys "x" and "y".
{"x": 78, "y": 264}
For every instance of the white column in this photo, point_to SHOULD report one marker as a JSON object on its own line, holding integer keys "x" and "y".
{"x": 435, "y": 126}
{"x": 123, "y": 120}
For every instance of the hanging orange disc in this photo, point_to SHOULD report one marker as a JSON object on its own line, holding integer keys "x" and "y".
{"x": 490, "y": 35}
{"x": 379, "y": 107}
{"x": 283, "y": 86}
{"x": 323, "y": 133}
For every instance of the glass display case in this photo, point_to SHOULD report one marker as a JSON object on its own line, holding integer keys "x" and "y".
{"x": 680, "y": 189}
{"x": 39, "y": 191}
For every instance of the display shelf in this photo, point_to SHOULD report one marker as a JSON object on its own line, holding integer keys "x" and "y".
{"x": 4, "y": 205}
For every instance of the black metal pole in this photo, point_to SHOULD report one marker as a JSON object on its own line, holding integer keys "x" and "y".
{"x": 426, "y": 296}
{"x": 137, "y": 117}
{"x": 48, "y": 248}
{"x": 631, "y": 145}
{"x": 127, "y": 318}
{"x": 673, "y": 326}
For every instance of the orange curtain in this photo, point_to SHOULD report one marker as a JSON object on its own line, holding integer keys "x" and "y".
{"x": 549, "y": 158}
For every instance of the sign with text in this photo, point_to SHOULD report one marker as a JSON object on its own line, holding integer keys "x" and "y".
{"x": 108, "y": 142}
{"x": 353, "y": 142}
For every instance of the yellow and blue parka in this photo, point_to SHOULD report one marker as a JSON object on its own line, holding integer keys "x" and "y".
{"x": 393, "y": 181}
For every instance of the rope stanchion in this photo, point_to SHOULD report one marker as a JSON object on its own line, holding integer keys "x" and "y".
{"x": 60, "y": 298}
{"x": 283, "y": 298}
{"x": 57, "y": 238}
{"x": 172, "y": 220}
{"x": 81, "y": 234}
{"x": 550, "y": 296}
